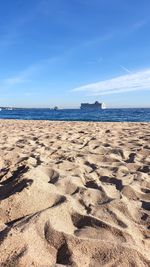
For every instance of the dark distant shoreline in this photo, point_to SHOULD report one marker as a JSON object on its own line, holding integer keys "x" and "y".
{"x": 16, "y": 108}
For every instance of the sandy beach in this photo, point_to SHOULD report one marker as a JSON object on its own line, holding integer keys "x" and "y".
{"x": 74, "y": 194}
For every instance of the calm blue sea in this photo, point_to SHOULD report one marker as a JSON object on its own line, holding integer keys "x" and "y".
{"x": 106, "y": 115}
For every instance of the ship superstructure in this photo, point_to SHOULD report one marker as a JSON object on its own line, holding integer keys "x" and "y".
{"x": 93, "y": 106}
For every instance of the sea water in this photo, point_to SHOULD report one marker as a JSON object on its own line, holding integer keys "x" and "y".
{"x": 106, "y": 115}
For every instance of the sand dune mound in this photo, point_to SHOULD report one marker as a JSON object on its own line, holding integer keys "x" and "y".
{"x": 74, "y": 194}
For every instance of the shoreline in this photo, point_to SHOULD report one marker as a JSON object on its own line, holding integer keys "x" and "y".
{"x": 74, "y": 121}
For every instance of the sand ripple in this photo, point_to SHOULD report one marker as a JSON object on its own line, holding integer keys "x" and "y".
{"x": 74, "y": 194}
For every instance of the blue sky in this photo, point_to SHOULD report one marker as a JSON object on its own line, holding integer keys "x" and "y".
{"x": 65, "y": 52}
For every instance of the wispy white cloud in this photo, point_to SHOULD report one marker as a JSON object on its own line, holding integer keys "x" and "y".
{"x": 139, "y": 24}
{"x": 14, "y": 80}
{"x": 131, "y": 82}
{"x": 95, "y": 61}
{"x": 106, "y": 37}
{"x": 29, "y": 73}
{"x": 13, "y": 27}
{"x": 21, "y": 77}
{"x": 125, "y": 68}
{"x": 98, "y": 39}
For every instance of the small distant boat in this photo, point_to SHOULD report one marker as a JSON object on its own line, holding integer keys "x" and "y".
{"x": 6, "y": 108}
{"x": 56, "y": 108}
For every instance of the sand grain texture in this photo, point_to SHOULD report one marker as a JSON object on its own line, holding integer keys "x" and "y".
{"x": 74, "y": 194}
